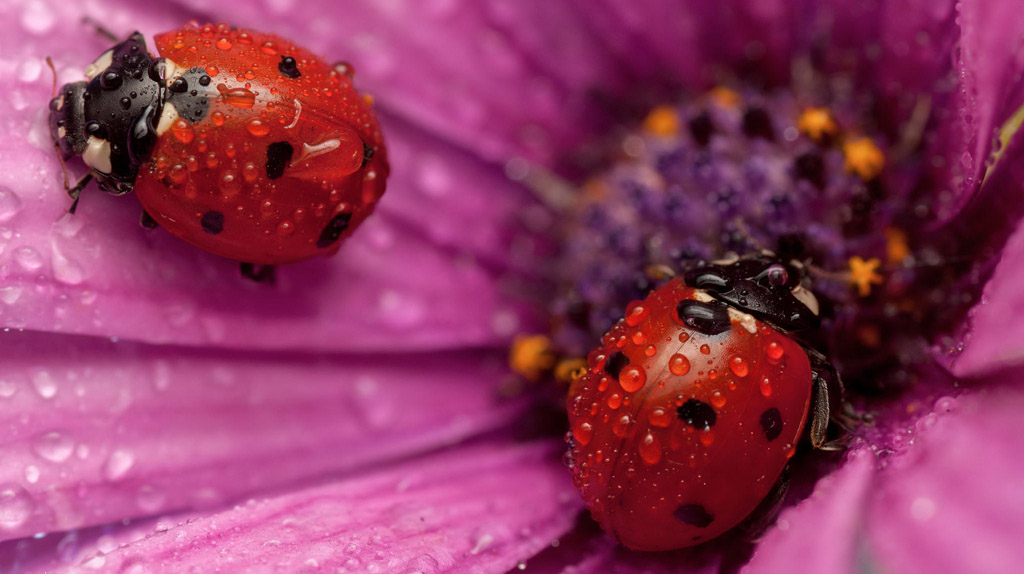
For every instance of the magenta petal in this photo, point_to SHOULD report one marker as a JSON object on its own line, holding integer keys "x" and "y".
{"x": 473, "y": 509}
{"x": 822, "y": 531}
{"x": 953, "y": 502}
{"x": 97, "y": 431}
{"x": 996, "y": 336}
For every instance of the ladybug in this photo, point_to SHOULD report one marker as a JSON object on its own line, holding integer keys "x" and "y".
{"x": 689, "y": 411}
{"x": 239, "y": 142}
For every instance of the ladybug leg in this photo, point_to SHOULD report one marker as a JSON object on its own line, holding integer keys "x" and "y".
{"x": 146, "y": 221}
{"x": 76, "y": 190}
{"x": 826, "y": 402}
{"x": 259, "y": 273}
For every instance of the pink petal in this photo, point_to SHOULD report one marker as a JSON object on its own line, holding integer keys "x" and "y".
{"x": 474, "y": 509}
{"x": 822, "y": 532}
{"x": 996, "y": 331}
{"x": 96, "y": 431}
{"x": 425, "y": 273}
{"x": 953, "y": 502}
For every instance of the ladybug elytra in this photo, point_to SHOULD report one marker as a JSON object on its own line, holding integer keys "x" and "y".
{"x": 241, "y": 143}
{"x": 689, "y": 411}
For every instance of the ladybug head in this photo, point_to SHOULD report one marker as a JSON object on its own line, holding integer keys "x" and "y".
{"x": 110, "y": 119}
{"x": 763, "y": 285}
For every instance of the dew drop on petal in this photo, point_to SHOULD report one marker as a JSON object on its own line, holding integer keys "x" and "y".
{"x": 16, "y": 506}
{"x": 28, "y": 258}
{"x": 10, "y": 203}
{"x": 53, "y": 446}
{"x": 118, "y": 464}
{"x": 44, "y": 384}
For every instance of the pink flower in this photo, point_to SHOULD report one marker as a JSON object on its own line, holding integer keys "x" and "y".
{"x": 158, "y": 414}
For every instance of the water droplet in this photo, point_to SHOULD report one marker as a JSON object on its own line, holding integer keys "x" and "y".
{"x": 53, "y": 446}
{"x": 766, "y": 387}
{"x": 10, "y": 203}
{"x": 16, "y": 506}
{"x": 229, "y": 184}
{"x": 775, "y": 352}
{"x": 182, "y": 131}
{"x": 224, "y": 44}
{"x": 28, "y": 258}
{"x": 621, "y": 426}
{"x": 258, "y": 128}
{"x": 650, "y": 449}
{"x": 614, "y": 401}
{"x": 31, "y": 474}
{"x": 118, "y": 464}
{"x": 582, "y": 432}
{"x": 149, "y": 499}
{"x": 37, "y": 17}
{"x": 718, "y": 399}
{"x": 712, "y": 374}
{"x": 632, "y": 379}
{"x": 650, "y": 350}
{"x": 285, "y": 229}
{"x": 217, "y": 118}
{"x": 7, "y": 389}
{"x": 636, "y": 313}
{"x": 10, "y": 294}
{"x": 707, "y": 437}
{"x": 44, "y": 384}
{"x": 660, "y": 418}
{"x": 236, "y": 97}
{"x": 639, "y": 338}
{"x": 679, "y": 365}
{"x": 705, "y": 349}
{"x": 739, "y": 366}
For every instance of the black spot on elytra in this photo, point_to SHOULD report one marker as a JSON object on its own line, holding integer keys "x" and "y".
{"x": 697, "y": 414}
{"x": 213, "y": 222}
{"x": 701, "y": 128}
{"x": 771, "y": 423}
{"x": 335, "y": 227}
{"x": 278, "y": 156}
{"x": 810, "y": 166}
{"x": 615, "y": 363}
{"x": 289, "y": 67}
{"x": 758, "y": 124}
{"x": 709, "y": 318}
{"x": 694, "y": 515}
{"x": 367, "y": 155}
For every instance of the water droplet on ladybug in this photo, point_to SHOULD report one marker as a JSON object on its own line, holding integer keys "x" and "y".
{"x": 632, "y": 379}
{"x": 183, "y": 131}
{"x": 679, "y": 365}
{"x": 659, "y": 417}
{"x": 766, "y": 387}
{"x": 707, "y": 437}
{"x": 241, "y": 98}
{"x": 621, "y": 426}
{"x": 285, "y": 229}
{"x": 126, "y": 102}
{"x": 636, "y": 313}
{"x": 775, "y": 352}
{"x": 650, "y": 449}
{"x": 650, "y": 350}
{"x": 178, "y": 174}
{"x": 229, "y": 184}
{"x": 718, "y": 399}
{"x": 705, "y": 349}
{"x": 224, "y": 44}
{"x": 639, "y": 338}
{"x": 684, "y": 337}
{"x": 712, "y": 374}
{"x": 258, "y": 128}
{"x": 582, "y": 432}
{"x": 614, "y": 401}
{"x": 739, "y": 366}
{"x": 217, "y": 118}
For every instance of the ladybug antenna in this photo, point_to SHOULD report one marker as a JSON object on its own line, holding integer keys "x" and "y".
{"x": 53, "y": 69}
{"x": 99, "y": 29}
{"x": 744, "y": 231}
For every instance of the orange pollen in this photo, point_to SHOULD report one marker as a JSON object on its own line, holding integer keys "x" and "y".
{"x": 724, "y": 97}
{"x": 568, "y": 370}
{"x": 863, "y": 158}
{"x": 531, "y": 356}
{"x": 662, "y": 121}
{"x": 864, "y": 274}
{"x": 896, "y": 247}
{"x": 817, "y": 124}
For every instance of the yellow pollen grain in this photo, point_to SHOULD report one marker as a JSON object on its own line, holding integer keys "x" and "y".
{"x": 817, "y": 124}
{"x": 568, "y": 370}
{"x": 896, "y": 247}
{"x": 662, "y": 121}
{"x": 863, "y": 158}
{"x": 724, "y": 97}
{"x": 531, "y": 356}
{"x": 864, "y": 274}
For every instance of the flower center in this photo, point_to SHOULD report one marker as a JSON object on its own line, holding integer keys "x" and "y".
{"x": 734, "y": 172}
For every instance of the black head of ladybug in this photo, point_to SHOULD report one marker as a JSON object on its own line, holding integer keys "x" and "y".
{"x": 110, "y": 119}
{"x": 763, "y": 285}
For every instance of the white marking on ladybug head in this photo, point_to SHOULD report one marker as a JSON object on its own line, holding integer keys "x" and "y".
{"x": 702, "y": 296}
{"x": 102, "y": 63}
{"x": 806, "y": 297}
{"x": 746, "y": 320}
{"x": 168, "y": 115}
{"x": 97, "y": 154}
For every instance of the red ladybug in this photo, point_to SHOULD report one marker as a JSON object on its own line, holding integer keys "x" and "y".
{"x": 692, "y": 407}
{"x": 239, "y": 142}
